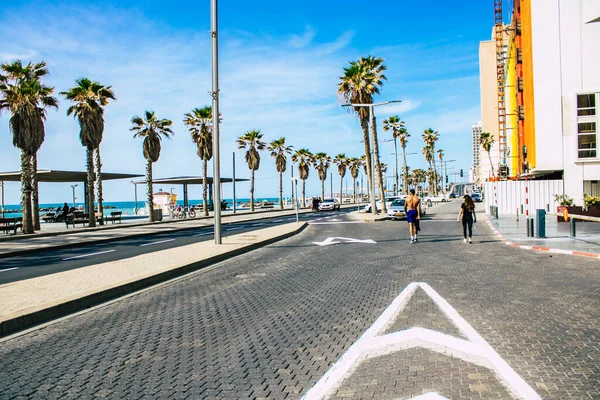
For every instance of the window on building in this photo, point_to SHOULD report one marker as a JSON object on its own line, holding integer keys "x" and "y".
{"x": 586, "y": 104}
{"x": 587, "y": 133}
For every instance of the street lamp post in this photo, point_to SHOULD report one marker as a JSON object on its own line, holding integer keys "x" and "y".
{"x": 74, "y": 198}
{"x": 295, "y": 196}
{"x": 372, "y": 139}
{"x": 215, "y": 117}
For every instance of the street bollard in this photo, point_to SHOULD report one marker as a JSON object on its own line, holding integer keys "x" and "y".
{"x": 540, "y": 215}
{"x": 528, "y": 227}
{"x": 530, "y": 230}
{"x": 573, "y": 226}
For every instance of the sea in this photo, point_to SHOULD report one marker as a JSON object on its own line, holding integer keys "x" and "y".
{"x": 128, "y": 207}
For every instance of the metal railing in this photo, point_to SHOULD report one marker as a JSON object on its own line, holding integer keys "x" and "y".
{"x": 572, "y": 218}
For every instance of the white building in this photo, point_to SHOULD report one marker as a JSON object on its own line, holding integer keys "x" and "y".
{"x": 474, "y": 171}
{"x": 566, "y": 72}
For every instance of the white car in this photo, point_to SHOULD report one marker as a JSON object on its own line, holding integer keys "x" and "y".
{"x": 388, "y": 203}
{"x": 436, "y": 199}
{"x": 396, "y": 209}
{"x": 329, "y": 205}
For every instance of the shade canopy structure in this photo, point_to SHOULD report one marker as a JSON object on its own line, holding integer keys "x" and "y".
{"x": 54, "y": 176}
{"x": 186, "y": 181}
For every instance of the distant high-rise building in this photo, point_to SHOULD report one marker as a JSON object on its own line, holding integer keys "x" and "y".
{"x": 477, "y": 129}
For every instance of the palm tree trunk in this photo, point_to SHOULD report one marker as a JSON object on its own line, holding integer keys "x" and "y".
{"x": 396, "y": 157}
{"x": 149, "y": 191}
{"x": 303, "y": 193}
{"x": 26, "y": 192}
{"x": 90, "y": 186}
{"x": 354, "y": 190}
{"x": 341, "y": 187}
{"x": 377, "y": 164}
{"x": 35, "y": 201}
{"x": 99, "y": 184}
{"x": 491, "y": 165}
{"x": 405, "y": 180}
{"x": 251, "y": 190}
{"x": 281, "y": 190}
{"x": 205, "y": 188}
{"x": 322, "y": 189}
{"x": 364, "y": 124}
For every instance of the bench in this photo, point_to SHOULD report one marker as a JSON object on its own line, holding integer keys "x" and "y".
{"x": 77, "y": 218}
{"x": 11, "y": 224}
{"x": 115, "y": 216}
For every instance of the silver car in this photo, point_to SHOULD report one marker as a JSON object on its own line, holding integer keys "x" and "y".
{"x": 396, "y": 209}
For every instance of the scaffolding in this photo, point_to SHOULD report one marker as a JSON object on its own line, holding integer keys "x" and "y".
{"x": 501, "y": 81}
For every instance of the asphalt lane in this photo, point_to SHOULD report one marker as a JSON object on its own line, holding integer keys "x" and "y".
{"x": 271, "y": 323}
{"x": 46, "y": 262}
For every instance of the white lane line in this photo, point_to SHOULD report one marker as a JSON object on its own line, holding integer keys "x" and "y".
{"x": 291, "y": 219}
{"x": 233, "y": 229}
{"x": 160, "y": 241}
{"x": 8, "y": 269}
{"x": 257, "y": 224}
{"x": 334, "y": 223}
{"x": 279, "y": 220}
{"x": 202, "y": 234}
{"x": 88, "y": 255}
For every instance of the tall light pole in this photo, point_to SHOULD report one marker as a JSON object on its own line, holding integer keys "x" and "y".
{"x": 214, "y": 30}
{"x": 444, "y": 170}
{"x": 74, "y": 198}
{"x": 372, "y": 139}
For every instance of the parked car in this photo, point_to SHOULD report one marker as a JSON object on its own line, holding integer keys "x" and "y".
{"x": 429, "y": 200}
{"x": 476, "y": 196}
{"x": 329, "y": 205}
{"x": 388, "y": 203}
{"x": 396, "y": 209}
{"x": 454, "y": 195}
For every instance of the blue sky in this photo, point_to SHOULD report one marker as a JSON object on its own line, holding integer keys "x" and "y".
{"x": 279, "y": 65}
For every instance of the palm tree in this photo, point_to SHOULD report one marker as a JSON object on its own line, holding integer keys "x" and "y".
{"x": 419, "y": 176}
{"x": 304, "y": 159}
{"x": 486, "y": 140}
{"x": 394, "y": 124}
{"x": 251, "y": 140}
{"x": 363, "y": 164}
{"x": 431, "y": 179}
{"x": 152, "y": 130}
{"x": 342, "y": 164}
{"x": 354, "y": 167}
{"x": 430, "y": 137}
{"x": 89, "y": 98}
{"x": 441, "y": 155}
{"x": 321, "y": 163}
{"x": 199, "y": 123}
{"x": 279, "y": 151}
{"x": 428, "y": 153}
{"x": 26, "y": 98}
{"x": 360, "y": 81}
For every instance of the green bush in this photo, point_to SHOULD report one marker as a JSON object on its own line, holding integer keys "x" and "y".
{"x": 563, "y": 200}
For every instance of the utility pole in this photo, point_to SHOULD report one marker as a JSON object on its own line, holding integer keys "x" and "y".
{"x": 214, "y": 30}
{"x": 72, "y": 187}
{"x": 234, "y": 199}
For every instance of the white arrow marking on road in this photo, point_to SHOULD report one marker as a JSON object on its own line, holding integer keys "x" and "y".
{"x": 375, "y": 342}
{"x": 332, "y": 240}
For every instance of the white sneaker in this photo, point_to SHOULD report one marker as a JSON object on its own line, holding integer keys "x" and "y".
{"x": 470, "y": 242}
{"x": 412, "y": 241}
{"x": 465, "y": 240}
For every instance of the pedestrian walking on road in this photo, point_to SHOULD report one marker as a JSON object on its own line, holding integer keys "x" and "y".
{"x": 467, "y": 217}
{"x": 412, "y": 209}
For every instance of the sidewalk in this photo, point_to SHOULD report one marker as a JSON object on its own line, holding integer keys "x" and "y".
{"x": 33, "y": 301}
{"x": 586, "y": 242}
{"x": 22, "y": 244}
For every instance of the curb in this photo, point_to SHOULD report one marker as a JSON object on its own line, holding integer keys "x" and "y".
{"x": 39, "y": 317}
{"x": 114, "y": 239}
{"x": 538, "y": 248}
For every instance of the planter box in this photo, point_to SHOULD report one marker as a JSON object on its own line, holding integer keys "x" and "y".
{"x": 593, "y": 211}
{"x": 570, "y": 210}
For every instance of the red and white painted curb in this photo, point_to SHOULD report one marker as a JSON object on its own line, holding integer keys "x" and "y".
{"x": 538, "y": 248}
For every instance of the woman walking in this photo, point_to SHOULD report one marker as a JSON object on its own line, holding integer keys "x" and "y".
{"x": 468, "y": 217}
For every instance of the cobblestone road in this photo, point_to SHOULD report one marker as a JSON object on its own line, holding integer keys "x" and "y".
{"x": 271, "y": 323}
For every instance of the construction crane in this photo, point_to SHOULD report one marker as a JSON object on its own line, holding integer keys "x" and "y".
{"x": 501, "y": 81}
